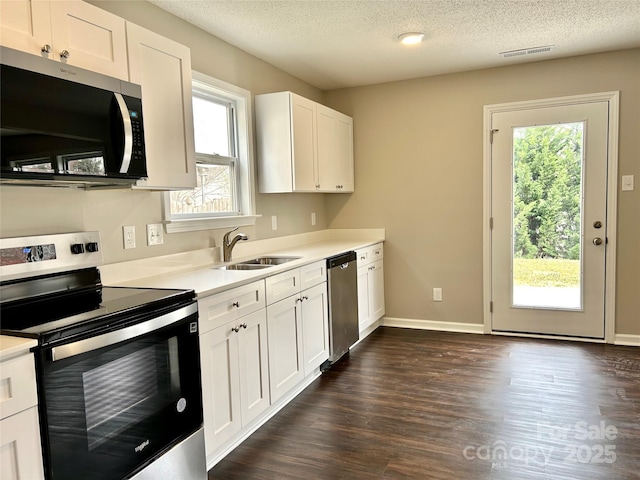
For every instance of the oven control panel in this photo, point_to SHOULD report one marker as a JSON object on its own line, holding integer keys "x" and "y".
{"x": 22, "y": 257}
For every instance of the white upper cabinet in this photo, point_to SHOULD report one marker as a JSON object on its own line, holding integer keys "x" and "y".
{"x": 73, "y": 32}
{"x": 163, "y": 68}
{"x": 25, "y": 25}
{"x": 335, "y": 150}
{"x": 302, "y": 146}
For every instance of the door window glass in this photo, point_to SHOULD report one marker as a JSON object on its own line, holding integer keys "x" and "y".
{"x": 547, "y": 216}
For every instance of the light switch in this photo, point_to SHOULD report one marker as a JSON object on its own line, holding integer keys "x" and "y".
{"x": 627, "y": 182}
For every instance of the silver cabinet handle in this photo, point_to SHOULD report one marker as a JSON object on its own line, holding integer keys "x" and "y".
{"x": 244, "y": 325}
{"x": 46, "y": 48}
{"x": 236, "y": 304}
{"x": 65, "y": 54}
{"x": 235, "y": 329}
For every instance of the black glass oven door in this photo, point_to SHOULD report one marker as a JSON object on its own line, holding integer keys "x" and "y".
{"x": 111, "y": 410}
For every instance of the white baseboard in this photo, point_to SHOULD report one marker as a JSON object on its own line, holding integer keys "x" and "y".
{"x": 620, "y": 339}
{"x": 629, "y": 340}
{"x": 433, "y": 325}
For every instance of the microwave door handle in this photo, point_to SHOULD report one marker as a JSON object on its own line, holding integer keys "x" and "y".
{"x": 128, "y": 133}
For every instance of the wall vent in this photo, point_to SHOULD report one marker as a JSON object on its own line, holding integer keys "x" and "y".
{"x": 527, "y": 51}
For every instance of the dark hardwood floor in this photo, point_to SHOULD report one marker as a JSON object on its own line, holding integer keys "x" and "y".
{"x": 434, "y": 405}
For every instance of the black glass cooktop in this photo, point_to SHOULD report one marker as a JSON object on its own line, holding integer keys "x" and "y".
{"x": 63, "y": 307}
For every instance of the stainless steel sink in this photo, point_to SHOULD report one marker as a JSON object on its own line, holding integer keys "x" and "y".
{"x": 241, "y": 266}
{"x": 268, "y": 261}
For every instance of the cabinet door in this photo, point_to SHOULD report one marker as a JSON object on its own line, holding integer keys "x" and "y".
{"x": 94, "y": 39}
{"x": 364, "y": 313}
{"x": 327, "y": 172}
{"x": 343, "y": 152}
{"x": 335, "y": 150}
{"x": 254, "y": 365}
{"x": 25, "y": 25}
{"x": 315, "y": 327}
{"x": 20, "y": 452}
{"x": 163, "y": 68}
{"x": 220, "y": 385}
{"x": 303, "y": 125}
{"x": 285, "y": 346}
{"x": 376, "y": 290}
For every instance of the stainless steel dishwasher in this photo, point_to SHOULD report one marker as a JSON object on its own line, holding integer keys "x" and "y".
{"x": 342, "y": 272}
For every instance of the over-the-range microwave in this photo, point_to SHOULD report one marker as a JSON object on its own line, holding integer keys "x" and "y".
{"x": 65, "y": 126}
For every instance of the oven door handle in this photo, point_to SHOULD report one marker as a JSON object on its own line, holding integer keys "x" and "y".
{"x": 117, "y": 336}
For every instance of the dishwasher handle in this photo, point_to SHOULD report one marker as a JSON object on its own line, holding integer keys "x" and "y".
{"x": 341, "y": 261}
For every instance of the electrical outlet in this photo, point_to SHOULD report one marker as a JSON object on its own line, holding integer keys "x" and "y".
{"x": 274, "y": 222}
{"x": 129, "y": 236}
{"x": 154, "y": 234}
{"x": 437, "y": 294}
{"x": 313, "y": 218}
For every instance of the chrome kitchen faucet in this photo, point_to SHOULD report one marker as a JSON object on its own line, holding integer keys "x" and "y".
{"x": 227, "y": 246}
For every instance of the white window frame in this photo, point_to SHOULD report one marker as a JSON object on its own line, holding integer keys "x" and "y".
{"x": 245, "y": 175}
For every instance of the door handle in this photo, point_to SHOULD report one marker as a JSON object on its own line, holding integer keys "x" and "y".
{"x": 128, "y": 132}
{"x": 597, "y": 241}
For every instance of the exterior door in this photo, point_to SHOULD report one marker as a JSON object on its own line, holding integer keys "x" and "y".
{"x": 549, "y": 219}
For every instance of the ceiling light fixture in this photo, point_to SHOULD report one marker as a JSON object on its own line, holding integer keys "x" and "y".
{"x": 411, "y": 38}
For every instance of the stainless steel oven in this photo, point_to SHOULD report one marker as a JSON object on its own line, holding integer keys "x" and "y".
{"x": 118, "y": 369}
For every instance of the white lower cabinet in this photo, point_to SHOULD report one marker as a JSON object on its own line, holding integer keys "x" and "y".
{"x": 284, "y": 324}
{"x": 235, "y": 386}
{"x": 315, "y": 327}
{"x": 371, "y": 306}
{"x": 259, "y": 344}
{"x": 20, "y": 450}
{"x": 297, "y": 325}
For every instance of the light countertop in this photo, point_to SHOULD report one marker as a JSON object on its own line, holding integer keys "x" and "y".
{"x": 15, "y": 346}
{"x": 206, "y": 280}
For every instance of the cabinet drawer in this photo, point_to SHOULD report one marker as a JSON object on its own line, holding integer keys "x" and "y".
{"x": 313, "y": 274}
{"x": 221, "y": 308}
{"x": 370, "y": 254}
{"x": 282, "y": 285}
{"x": 17, "y": 385}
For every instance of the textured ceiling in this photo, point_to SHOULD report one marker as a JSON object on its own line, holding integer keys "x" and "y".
{"x": 342, "y": 43}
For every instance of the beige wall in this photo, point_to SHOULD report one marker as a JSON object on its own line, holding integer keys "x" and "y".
{"x": 418, "y": 150}
{"x": 25, "y": 210}
{"x": 418, "y": 172}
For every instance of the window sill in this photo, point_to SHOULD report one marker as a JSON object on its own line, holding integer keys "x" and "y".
{"x": 192, "y": 225}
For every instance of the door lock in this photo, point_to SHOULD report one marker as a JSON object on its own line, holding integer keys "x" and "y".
{"x": 597, "y": 224}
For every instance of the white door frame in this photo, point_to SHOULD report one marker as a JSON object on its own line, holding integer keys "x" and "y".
{"x": 612, "y": 198}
